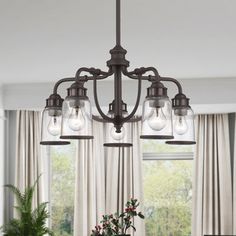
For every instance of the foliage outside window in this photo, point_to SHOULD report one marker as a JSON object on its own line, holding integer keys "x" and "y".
{"x": 167, "y": 191}
{"x": 62, "y": 189}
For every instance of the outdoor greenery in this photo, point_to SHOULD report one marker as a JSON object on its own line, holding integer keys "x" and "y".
{"x": 30, "y": 222}
{"x": 62, "y": 189}
{"x": 167, "y": 191}
{"x": 168, "y": 195}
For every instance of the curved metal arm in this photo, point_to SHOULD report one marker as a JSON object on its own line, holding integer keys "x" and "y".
{"x": 125, "y": 119}
{"x": 97, "y": 103}
{"x": 97, "y": 74}
{"x": 60, "y": 82}
{"x": 83, "y": 69}
{"x": 168, "y": 79}
{"x": 140, "y": 71}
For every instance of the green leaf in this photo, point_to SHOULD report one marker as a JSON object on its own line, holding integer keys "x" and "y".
{"x": 141, "y": 215}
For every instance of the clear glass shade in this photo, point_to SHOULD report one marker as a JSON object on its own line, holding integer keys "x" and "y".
{"x": 114, "y": 139}
{"x": 76, "y": 119}
{"x": 157, "y": 119}
{"x": 183, "y": 126}
{"x": 51, "y": 127}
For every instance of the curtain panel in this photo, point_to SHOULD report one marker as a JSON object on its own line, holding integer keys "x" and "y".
{"x": 234, "y": 178}
{"x": 212, "y": 184}
{"x": 106, "y": 178}
{"x": 28, "y": 158}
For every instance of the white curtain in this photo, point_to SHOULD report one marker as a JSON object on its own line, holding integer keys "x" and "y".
{"x": 124, "y": 176}
{"x": 29, "y": 164}
{"x": 105, "y": 179}
{"x": 212, "y": 185}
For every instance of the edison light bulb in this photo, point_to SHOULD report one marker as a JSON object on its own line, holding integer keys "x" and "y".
{"x": 115, "y": 135}
{"x": 181, "y": 126}
{"x": 54, "y": 126}
{"x": 76, "y": 119}
{"x": 157, "y": 119}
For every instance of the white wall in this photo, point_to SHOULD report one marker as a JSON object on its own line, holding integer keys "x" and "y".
{"x": 214, "y": 95}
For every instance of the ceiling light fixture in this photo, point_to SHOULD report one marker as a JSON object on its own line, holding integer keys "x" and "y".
{"x": 72, "y": 118}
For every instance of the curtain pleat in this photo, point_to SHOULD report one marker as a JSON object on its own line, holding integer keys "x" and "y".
{"x": 106, "y": 178}
{"x": 212, "y": 185}
{"x": 124, "y": 176}
{"x": 89, "y": 183}
{"x": 85, "y": 192}
{"x": 28, "y": 154}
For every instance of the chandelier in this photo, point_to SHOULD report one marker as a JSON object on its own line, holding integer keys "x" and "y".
{"x": 63, "y": 120}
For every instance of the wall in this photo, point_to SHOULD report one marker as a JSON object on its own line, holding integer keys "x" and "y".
{"x": 207, "y": 95}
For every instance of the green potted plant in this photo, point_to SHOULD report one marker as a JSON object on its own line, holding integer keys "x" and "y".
{"x": 118, "y": 224}
{"x": 30, "y": 222}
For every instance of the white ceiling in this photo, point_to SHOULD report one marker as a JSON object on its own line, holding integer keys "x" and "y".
{"x": 44, "y": 40}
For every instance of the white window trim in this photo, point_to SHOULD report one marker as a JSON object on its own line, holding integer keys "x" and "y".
{"x": 153, "y": 156}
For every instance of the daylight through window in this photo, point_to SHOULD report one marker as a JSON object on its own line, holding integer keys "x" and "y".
{"x": 167, "y": 189}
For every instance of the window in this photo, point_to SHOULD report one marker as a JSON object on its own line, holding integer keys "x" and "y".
{"x": 167, "y": 189}
{"x": 62, "y": 189}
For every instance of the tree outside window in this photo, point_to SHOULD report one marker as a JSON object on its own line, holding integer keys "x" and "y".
{"x": 167, "y": 189}
{"x": 62, "y": 189}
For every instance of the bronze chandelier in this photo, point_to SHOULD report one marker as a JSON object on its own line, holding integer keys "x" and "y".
{"x": 71, "y": 118}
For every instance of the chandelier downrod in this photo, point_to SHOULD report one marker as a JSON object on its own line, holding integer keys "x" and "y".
{"x": 118, "y": 23}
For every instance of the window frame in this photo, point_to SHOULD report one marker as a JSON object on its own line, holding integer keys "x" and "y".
{"x": 172, "y": 156}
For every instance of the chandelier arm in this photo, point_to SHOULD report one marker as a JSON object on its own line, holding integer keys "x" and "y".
{"x": 99, "y": 74}
{"x": 135, "y": 77}
{"x": 176, "y": 82}
{"x": 103, "y": 75}
{"x": 141, "y": 71}
{"x": 81, "y": 78}
{"x": 71, "y": 79}
{"x": 125, "y": 119}
{"x": 105, "y": 117}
